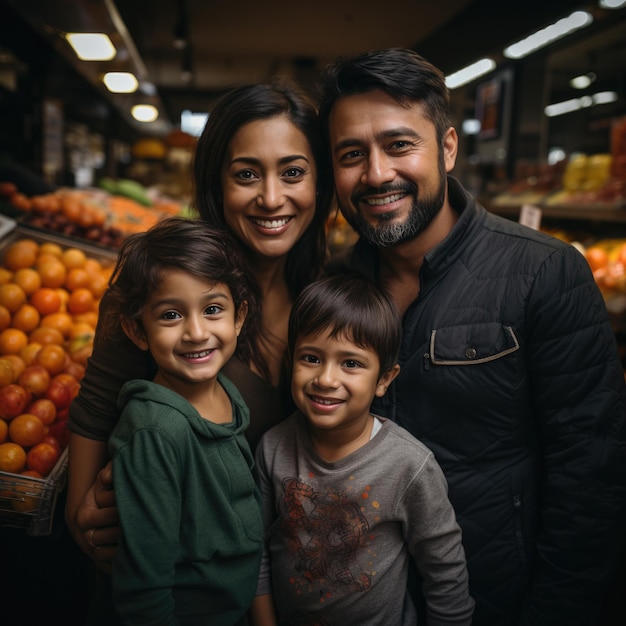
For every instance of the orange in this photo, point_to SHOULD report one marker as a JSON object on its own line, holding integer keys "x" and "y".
{"x": 53, "y": 357}
{"x": 93, "y": 266}
{"x": 90, "y": 318}
{"x": 12, "y": 457}
{"x": 46, "y": 300}
{"x": 29, "y": 352}
{"x": 26, "y": 318}
{"x": 52, "y": 271}
{"x": 12, "y": 340}
{"x": 17, "y": 362}
{"x": 597, "y": 257}
{"x": 98, "y": 284}
{"x": 81, "y": 329}
{"x": 28, "y": 279}
{"x": 44, "y": 335}
{"x": 81, "y": 300}
{"x": 77, "y": 277}
{"x": 61, "y": 321}
{"x": 64, "y": 295}
{"x": 26, "y": 430}
{"x": 4, "y": 431}
{"x": 73, "y": 258}
{"x": 49, "y": 247}
{"x": 5, "y": 317}
{"x": 20, "y": 254}
{"x": 5, "y": 275}
{"x": 12, "y": 296}
{"x": 71, "y": 208}
{"x": 7, "y": 372}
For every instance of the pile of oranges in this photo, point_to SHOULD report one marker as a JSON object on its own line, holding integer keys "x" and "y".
{"x": 49, "y": 297}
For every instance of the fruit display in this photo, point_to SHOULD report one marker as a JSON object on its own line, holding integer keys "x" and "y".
{"x": 100, "y": 216}
{"x": 49, "y": 297}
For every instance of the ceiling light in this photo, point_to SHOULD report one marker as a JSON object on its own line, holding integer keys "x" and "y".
{"x": 471, "y": 126}
{"x": 545, "y": 36}
{"x": 611, "y": 4}
{"x": 120, "y": 82}
{"x": 144, "y": 112}
{"x": 91, "y": 46}
{"x": 469, "y": 73}
{"x": 583, "y": 81}
{"x": 575, "y": 104}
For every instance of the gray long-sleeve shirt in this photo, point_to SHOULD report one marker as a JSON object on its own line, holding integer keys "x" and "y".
{"x": 339, "y": 536}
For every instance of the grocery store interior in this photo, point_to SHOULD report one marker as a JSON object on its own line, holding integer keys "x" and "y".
{"x": 94, "y": 149}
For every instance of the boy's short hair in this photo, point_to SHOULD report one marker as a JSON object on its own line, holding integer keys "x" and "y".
{"x": 349, "y": 306}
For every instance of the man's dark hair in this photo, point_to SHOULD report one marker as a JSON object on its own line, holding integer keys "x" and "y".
{"x": 401, "y": 73}
{"x": 351, "y": 307}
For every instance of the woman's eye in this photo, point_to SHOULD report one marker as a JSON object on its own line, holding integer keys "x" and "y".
{"x": 245, "y": 175}
{"x": 309, "y": 358}
{"x": 170, "y": 315}
{"x": 293, "y": 172}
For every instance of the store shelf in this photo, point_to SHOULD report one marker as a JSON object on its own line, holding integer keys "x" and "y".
{"x": 593, "y": 213}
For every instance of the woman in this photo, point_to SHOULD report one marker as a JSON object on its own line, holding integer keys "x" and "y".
{"x": 260, "y": 171}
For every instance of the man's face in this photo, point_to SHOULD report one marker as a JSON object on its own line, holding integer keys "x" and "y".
{"x": 390, "y": 171}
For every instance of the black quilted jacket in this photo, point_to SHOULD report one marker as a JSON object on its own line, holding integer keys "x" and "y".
{"x": 511, "y": 375}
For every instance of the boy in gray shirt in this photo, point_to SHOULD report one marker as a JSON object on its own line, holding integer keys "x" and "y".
{"x": 350, "y": 498}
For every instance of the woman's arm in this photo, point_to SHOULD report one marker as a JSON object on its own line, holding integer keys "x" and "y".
{"x": 90, "y": 510}
{"x": 262, "y": 612}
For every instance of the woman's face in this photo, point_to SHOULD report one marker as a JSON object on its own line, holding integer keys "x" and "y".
{"x": 269, "y": 185}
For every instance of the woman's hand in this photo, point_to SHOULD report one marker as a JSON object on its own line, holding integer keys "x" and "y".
{"x": 98, "y": 521}
{"x": 90, "y": 510}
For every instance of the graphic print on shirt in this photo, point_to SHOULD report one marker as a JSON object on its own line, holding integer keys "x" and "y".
{"x": 325, "y": 531}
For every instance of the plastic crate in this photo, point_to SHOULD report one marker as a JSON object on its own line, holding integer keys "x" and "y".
{"x": 29, "y": 503}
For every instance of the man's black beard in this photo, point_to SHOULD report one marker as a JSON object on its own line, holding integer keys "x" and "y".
{"x": 423, "y": 211}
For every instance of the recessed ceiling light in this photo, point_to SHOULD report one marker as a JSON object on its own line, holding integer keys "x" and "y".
{"x": 120, "y": 82}
{"x": 91, "y": 46}
{"x": 144, "y": 112}
{"x": 583, "y": 80}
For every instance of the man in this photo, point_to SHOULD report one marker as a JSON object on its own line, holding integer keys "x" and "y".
{"x": 509, "y": 367}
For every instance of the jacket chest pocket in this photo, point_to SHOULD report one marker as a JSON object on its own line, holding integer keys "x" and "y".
{"x": 471, "y": 344}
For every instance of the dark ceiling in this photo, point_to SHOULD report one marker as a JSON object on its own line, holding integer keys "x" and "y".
{"x": 229, "y": 43}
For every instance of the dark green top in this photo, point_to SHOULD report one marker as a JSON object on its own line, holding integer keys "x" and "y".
{"x": 189, "y": 510}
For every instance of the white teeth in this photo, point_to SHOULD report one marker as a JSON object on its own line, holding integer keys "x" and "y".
{"x": 387, "y": 200}
{"x": 271, "y": 223}
{"x": 197, "y": 355}
{"x": 324, "y": 401}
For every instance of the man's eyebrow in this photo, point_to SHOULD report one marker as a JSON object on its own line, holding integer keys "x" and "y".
{"x": 401, "y": 131}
